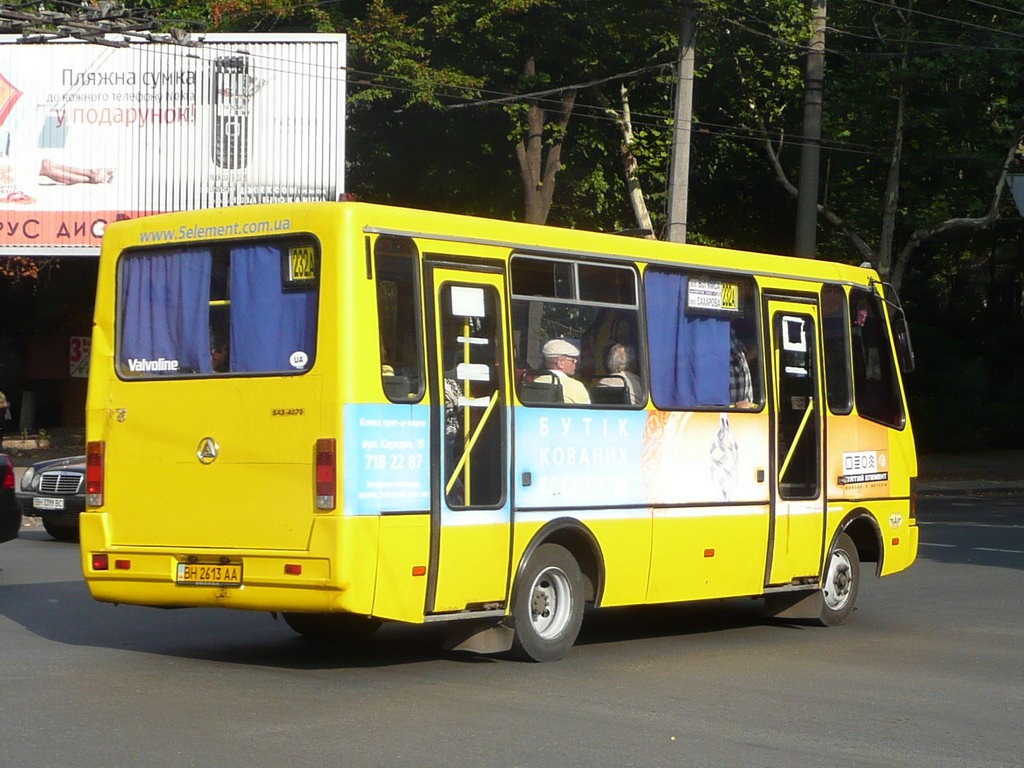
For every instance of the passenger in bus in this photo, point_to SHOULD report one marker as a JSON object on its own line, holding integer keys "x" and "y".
{"x": 741, "y": 385}
{"x": 609, "y": 327}
{"x": 619, "y": 361}
{"x": 561, "y": 357}
{"x": 219, "y": 355}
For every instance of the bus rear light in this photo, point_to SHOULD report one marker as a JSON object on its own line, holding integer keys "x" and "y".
{"x": 293, "y": 569}
{"x": 100, "y": 563}
{"x": 123, "y": 565}
{"x": 326, "y": 474}
{"x": 94, "y": 471}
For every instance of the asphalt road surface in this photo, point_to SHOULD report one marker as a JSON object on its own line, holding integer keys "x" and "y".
{"x": 928, "y": 672}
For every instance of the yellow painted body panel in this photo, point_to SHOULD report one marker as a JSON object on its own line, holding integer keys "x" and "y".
{"x": 708, "y": 552}
{"x": 404, "y": 545}
{"x": 897, "y": 531}
{"x": 256, "y": 502}
{"x": 797, "y": 550}
{"x": 626, "y": 547}
{"x": 479, "y": 574}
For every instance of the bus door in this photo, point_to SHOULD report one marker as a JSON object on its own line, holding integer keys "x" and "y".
{"x": 798, "y": 500}
{"x": 470, "y": 508}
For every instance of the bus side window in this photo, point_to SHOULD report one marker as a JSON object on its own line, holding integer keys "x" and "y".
{"x": 875, "y": 387}
{"x": 702, "y": 333}
{"x": 592, "y": 307}
{"x": 836, "y": 341}
{"x": 396, "y": 268}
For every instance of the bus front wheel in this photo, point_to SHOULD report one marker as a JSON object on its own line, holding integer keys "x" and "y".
{"x": 841, "y": 583}
{"x": 547, "y": 607}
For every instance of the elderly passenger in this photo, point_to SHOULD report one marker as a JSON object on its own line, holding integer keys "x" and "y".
{"x": 561, "y": 358}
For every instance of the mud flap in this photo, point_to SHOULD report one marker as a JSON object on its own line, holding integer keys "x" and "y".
{"x": 478, "y": 636}
{"x": 795, "y": 605}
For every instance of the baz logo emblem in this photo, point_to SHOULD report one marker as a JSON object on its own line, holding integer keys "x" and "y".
{"x": 208, "y": 450}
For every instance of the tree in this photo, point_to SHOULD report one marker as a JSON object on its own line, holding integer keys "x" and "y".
{"x": 937, "y": 113}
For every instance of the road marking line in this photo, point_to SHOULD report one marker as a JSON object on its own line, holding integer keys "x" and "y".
{"x": 975, "y": 549}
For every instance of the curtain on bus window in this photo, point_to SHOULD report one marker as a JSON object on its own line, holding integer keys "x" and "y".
{"x": 165, "y": 311}
{"x": 268, "y": 324}
{"x": 689, "y": 354}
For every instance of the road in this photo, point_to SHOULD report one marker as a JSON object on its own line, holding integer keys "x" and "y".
{"x": 929, "y": 672}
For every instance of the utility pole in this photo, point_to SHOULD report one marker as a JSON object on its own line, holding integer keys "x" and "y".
{"x": 678, "y": 185}
{"x": 810, "y": 153}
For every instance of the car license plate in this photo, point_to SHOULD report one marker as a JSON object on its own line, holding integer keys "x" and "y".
{"x": 40, "y": 502}
{"x": 210, "y": 574}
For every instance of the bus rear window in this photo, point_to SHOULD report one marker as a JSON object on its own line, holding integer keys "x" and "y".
{"x": 217, "y": 309}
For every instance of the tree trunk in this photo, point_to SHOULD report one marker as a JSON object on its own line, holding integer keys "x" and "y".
{"x": 630, "y": 164}
{"x": 537, "y": 168}
{"x": 890, "y": 201}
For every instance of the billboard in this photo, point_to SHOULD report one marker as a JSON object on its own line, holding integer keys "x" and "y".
{"x": 90, "y": 134}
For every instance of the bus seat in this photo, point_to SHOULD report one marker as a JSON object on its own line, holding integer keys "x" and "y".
{"x": 604, "y": 394}
{"x": 540, "y": 386}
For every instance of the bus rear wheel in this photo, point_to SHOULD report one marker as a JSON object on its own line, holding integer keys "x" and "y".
{"x": 335, "y": 627}
{"x": 841, "y": 583}
{"x": 547, "y": 607}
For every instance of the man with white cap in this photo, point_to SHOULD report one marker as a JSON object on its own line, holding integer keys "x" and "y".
{"x": 561, "y": 358}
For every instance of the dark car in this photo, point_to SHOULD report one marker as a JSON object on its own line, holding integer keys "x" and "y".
{"x": 54, "y": 490}
{"x": 10, "y": 509}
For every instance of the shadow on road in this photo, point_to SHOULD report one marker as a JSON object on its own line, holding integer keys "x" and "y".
{"x": 64, "y": 612}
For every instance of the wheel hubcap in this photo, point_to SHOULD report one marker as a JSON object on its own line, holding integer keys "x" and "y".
{"x": 550, "y": 603}
{"x": 838, "y": 581}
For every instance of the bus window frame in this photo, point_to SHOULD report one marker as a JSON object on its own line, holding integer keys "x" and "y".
{"x": 756, "y": 317}
{"x": 612, "y": 262}
{"x": 897, "y": 383}
{"x": 847, "y": 349}
{"x": 501, "y": 362}
{"x": 224, "y": 243}
{"x": 416, "y": 257}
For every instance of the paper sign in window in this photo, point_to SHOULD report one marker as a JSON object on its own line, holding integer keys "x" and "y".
{"x": 794, "y": 336}
{"x": 468, "y": 302}
{"x": 472, "y": 372}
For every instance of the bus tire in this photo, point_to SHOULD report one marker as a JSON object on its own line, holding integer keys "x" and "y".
{"x": 334, "y": 627}
{"x": 547, "y": 605}
{"x": 841, "y": 583}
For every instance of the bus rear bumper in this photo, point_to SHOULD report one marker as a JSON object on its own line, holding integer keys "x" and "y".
{"x": 265, "y": 580}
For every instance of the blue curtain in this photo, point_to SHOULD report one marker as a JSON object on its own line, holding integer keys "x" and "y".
{"x": 268, "y": 324}
{"x": 689, "y": 354}
{"x": 165, "y": 310}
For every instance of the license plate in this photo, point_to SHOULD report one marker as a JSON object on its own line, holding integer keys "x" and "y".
{"x": 210, "y": 575}
{"x": 43, "y": 503}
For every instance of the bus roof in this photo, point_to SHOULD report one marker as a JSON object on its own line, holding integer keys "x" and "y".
{"x": 261, "y": 220}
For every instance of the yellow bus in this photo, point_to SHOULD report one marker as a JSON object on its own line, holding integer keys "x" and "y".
{"x": 349, "y": 413}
